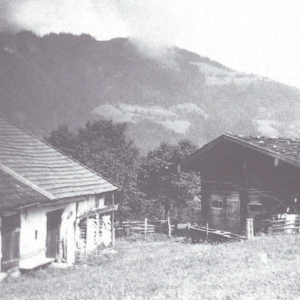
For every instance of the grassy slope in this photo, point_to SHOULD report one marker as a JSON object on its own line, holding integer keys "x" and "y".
{"x": 267, "y": 268}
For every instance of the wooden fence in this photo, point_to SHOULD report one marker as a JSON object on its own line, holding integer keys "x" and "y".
{"x": 288, "y": 224}
{"x": 168, "y": 227}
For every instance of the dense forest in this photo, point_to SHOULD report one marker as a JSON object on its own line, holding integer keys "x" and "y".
{"x": 150, "y": 185}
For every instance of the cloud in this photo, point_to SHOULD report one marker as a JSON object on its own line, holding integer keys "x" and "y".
{"x": 151, "y": 24}
{"x": 251, "y": 36}
{"x": 98, "y": 18}
{"x": 151, "y": 21}
{"x": 7, "y": 24}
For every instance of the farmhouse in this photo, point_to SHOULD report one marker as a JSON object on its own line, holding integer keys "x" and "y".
{"x": 51, "y": 207}
{"x": 246, "y": 177}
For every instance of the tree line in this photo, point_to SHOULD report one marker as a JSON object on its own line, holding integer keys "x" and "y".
{"x": 151, "y": 185}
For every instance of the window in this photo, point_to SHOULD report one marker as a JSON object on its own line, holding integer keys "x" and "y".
{"x": 255, "y": 207}
{"x": 108, "y": 199}
{"x": 97, "y": 201}
{"x": 217, "y": 204}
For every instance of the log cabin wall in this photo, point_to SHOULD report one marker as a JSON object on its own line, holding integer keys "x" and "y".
{"x": 238, "y": 182}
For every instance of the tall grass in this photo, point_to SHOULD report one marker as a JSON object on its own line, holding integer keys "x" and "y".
{"x": 265, "y": 268}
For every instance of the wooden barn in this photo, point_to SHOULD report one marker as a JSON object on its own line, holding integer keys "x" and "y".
{"x": 246, "y": 177}
{"x": 51, "y": 207}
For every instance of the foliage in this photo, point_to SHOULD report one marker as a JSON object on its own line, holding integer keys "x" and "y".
{"x": 103, "y": 147}
{"x": 160, "y": 181}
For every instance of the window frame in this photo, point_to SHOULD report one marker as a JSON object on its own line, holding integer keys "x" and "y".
{"x": 218, "y": 205}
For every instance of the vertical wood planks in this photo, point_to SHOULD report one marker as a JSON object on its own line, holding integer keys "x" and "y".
{"x": 249, "y": 229}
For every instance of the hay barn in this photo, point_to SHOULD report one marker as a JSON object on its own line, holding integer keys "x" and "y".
{"x": 246, "y": 177}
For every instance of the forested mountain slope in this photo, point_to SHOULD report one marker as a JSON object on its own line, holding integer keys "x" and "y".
{"x": 65, "y": 79}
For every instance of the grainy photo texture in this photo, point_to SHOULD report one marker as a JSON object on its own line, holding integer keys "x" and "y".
{"x": 149, "y": 149}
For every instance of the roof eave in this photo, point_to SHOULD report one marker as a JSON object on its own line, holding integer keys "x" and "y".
{"x": 262, "y": 150}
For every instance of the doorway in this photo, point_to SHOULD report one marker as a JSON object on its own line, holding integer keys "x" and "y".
{"x": 53, "y": 233}
{"x": 10, "y": 230}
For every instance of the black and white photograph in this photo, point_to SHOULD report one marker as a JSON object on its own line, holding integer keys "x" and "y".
{"x": 149, "y": 149}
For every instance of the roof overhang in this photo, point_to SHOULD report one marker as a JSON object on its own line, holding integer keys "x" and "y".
{"x": 207, "y": 147}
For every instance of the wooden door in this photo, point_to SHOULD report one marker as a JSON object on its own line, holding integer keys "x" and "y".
{"x": 232, "y": 213}
{"x": 216, "y": 220}
{"x": 53, "y": 233}
{"x": 10, "y": 241}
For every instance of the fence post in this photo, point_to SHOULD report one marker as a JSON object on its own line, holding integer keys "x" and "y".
{"x": 206, "y": 225}
{"x": 188, "y": 226}
{"x": 146, "y": 223}
{"x": 169, "y": 227}
{"x": 129, "y": 228}
{"x": 249, "y": 228}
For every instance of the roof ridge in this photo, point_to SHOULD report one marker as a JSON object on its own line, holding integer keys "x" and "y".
{"x": 262, "y": 137}
{"x": 27, "y": 182}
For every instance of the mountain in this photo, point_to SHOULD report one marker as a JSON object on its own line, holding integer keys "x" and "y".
{"x": 64, "y": 79}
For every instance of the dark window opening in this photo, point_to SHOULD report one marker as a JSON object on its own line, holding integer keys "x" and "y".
{"x": 217, "y": 204}
{"x": 108, "y": 200}
{"x": 97, "y": 201}
{"x": 255, "y": 207}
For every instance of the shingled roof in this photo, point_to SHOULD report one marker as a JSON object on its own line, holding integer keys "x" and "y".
{"x": 287, "y": 150}
{"x": 44, "y": 168}
{"x": 15, "y": 193}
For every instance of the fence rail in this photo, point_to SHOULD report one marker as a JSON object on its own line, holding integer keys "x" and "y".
{"x": 280, "y": 225}
{"x": 127, "y": 228}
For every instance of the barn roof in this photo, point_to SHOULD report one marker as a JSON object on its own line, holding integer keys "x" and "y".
{"x": 15, "y": 193}
{"x": 286, "y": 150}
{"x": 44, "y": 168}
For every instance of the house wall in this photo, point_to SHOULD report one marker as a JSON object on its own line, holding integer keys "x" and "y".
{"x": 34, "y": 231}
{"x": 34, "y": 228}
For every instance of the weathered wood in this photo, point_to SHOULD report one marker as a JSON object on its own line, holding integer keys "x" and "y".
{"x": 169, "y": 228}
{"x": 206, "y": 231}
{"x": 113, "y": 222}
{"x": 249, "y": 229}
{"x": 198, "y": 232}
{"x": 99, "y": 211}
{"x": 32, "y": 263}
{"x": 10, "y": 240}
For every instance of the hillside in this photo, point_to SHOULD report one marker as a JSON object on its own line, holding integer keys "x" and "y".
{"x": 265, "y": 268}
{"x": 65, "y": 79}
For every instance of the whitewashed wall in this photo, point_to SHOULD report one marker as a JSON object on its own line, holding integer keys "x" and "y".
{"x": 33, "y": 232}
{"x": 35, "y": 219}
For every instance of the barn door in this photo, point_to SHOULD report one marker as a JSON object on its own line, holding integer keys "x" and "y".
{"x": 10, "y": 241}
{"x": 217, "y": 211}
{"x": 53, "y": 233}
{"x": 232, "y": 213}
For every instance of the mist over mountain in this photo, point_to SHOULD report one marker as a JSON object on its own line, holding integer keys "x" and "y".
{"x": 166, "y": 95}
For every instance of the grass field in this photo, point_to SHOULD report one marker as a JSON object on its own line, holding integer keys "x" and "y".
{"x": 266, "y": 268}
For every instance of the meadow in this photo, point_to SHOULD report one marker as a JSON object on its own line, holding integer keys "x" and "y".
{"x": 266, "y": 268}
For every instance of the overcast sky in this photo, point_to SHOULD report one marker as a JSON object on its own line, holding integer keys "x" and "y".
{"x": 255, "y": 36}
